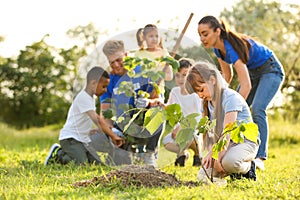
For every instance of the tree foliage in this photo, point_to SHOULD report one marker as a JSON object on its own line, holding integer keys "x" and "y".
{"x": 35, "y": 87}
{"x": 87, "y": 36}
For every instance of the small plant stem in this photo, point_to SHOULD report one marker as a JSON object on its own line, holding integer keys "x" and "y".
{"x": 212, "y": 171}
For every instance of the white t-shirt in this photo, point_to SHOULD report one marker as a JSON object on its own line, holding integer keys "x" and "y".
{"x": 189, "y": 103}
{"x": 78, "y": 122}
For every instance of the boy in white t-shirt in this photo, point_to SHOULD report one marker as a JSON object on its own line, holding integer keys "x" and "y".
{"x": 75, "y": 143}
{"x": 189, "y": 103}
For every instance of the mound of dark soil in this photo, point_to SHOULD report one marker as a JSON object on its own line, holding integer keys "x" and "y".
{"x": 136, "y": 175}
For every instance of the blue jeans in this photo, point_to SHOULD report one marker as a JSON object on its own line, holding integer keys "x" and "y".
{"x": 266, "y": 81}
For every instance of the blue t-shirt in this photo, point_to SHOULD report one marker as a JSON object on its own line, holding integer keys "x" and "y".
{"x": 120, "y": 102}
{"x": 232, "y": 101}
{"x": 258, "y": 54}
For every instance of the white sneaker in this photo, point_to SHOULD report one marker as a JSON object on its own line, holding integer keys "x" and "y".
{"x": 52, "y": 153}
{"x": 259, "y": 164}
{"x": 149, "y": 159}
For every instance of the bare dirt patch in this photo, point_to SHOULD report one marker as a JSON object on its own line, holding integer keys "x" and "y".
{"x": 136, "y": 175}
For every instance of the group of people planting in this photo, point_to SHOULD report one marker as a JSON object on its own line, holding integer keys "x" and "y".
{"x": 200, "y": 88}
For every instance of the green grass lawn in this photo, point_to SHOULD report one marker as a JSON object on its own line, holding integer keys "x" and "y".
{"x": 23, "y": 175}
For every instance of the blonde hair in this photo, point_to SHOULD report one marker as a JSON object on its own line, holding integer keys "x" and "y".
{"x": 142, "y": 32}
{"x": 202, "y": 72}
{"x": 113, "y": 46}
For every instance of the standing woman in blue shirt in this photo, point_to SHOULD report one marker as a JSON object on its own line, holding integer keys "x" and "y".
{"x": 260, "y": 73}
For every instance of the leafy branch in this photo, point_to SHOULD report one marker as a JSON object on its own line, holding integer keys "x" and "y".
{"x": 237, "y": 132}
{"x": 148, "y": 70}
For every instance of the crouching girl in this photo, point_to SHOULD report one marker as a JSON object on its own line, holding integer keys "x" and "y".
{"x": 226, "y": 106}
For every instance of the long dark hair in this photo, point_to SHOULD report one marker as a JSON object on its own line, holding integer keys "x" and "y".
{"x": 238, "y": 41}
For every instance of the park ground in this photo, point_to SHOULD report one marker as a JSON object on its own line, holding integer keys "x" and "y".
{"x": 23, "y": 175}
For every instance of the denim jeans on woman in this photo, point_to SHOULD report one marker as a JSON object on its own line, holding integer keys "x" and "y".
{"x": 266, "y": 81}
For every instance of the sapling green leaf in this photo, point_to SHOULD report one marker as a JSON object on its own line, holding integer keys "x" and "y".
{"x": 120, "y": 119}
{"x": 156, "y": 88}
{"x": 131, "y": 73}
{"x": 184, "y": 137}
{"x": 236, "y": 135}
{"x": 168, "y": 128}
{"x": 131, "y": 62}
{"x": 150, "y": 114}
{"x": 172, "y": 122}
{"x": 157, "y": 118}
{"x": 202, "y": 125}
{"x": 238, "y": 131}
{"x": 114, "y": 118}
{"x": 189, "y": 121}
{"x": 205, "y": 125}
{"x": 251, "y": 131}
{"x": 132, "y": 119}
{"x": 203, "y": 121}
{"x": 230, "y": 127}
{"x": 143, "y": 94}
{"x": 192, "y": 116}
{"x": 127, "y": 88}
{"x": 174, "y": 112}
{"x": 146, "y": 61}
{"x": 215, "y": 152}
{"x": 117, "y": 119}
{"x": 218, "y": 147}
{"x": 169, "y": 60}
{"x": 154, "y": 76}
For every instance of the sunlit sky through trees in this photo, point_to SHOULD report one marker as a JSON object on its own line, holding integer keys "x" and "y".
{"x": 24, "y": 22}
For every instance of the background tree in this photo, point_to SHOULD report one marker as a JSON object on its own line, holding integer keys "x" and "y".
{"x": 35, "y": 87}
{"x": 86, "y": 38}
{"x": 277, "y": 26}
{"x": 38, "y": 86}
{"x": 2, "y": 60}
